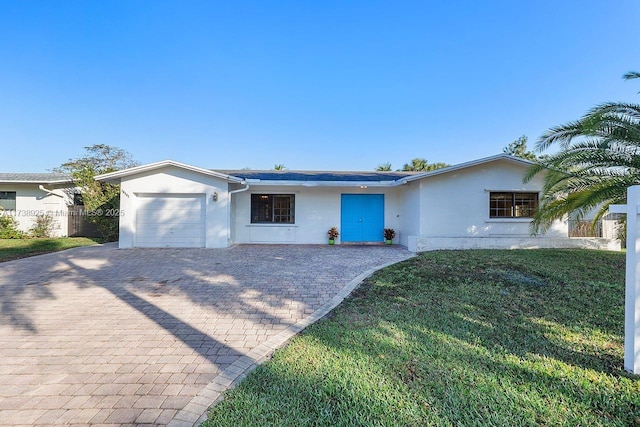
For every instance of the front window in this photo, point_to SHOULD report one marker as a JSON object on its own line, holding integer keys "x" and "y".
{"x": 273, "y": 208}
{"x": 512, "y": 205}
{"x": 8, "y": 200}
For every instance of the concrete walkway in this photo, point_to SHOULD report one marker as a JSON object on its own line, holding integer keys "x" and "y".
{"x": 101, "y": 336}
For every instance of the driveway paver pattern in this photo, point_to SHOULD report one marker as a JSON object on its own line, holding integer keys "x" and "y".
{"x": 103, "y": 336}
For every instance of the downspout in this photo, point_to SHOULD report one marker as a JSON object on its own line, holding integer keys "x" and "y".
{"x": 46, "y": 190}
{"x": 229, "y": 210}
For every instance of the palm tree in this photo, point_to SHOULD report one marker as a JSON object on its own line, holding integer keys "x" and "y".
{"x": 421, "y": 165}
{"x": 384, "y": 167}
{"x": 417, "y": 164}
{"x": 599, "y": 158}
{"x": 279, "y": 167}
{"x": 437, "y": 165}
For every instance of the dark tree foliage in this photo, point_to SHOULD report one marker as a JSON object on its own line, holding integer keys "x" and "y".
{"x": 99, "y": 197}
{"x": 518, "y": 148}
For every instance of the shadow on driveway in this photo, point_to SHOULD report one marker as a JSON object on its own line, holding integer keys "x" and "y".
{"x": 100, "y": 335}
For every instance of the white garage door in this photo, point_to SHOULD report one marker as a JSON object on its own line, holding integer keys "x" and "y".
{"x": 170, "y": 220}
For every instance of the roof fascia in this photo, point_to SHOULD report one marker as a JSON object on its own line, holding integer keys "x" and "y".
{"x": 309, "y": 183}
{"x": 117, "y": 175}
{"x": 43, "y": 182}
{"x": 466, "y": 165}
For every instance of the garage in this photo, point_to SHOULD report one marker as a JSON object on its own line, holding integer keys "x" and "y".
{"x": 170, "y": 220}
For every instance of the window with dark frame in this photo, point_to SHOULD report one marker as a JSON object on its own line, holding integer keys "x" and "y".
{"x": 508, "y": 204}
{"x": 8, "y": 200}
{"x": 77, "y": 199}
{"x": 273, "y": 208}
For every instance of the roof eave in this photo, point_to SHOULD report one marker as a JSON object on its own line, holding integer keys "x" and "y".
{"x": 311, "y": 183}
{"x": 40, "y": 181}
{"x": 118, "y": 175}
{"x": 468, "y": 165}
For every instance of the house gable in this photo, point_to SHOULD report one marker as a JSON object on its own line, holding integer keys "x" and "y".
{"x": 156, "y": 204}
{"x": 457, "y": 204}
{"x": 152, "y": 167}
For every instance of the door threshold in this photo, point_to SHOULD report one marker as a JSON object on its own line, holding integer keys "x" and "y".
{"x": 362, "y": 243}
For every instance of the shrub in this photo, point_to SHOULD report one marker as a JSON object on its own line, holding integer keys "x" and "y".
{"x": 333, "y": 233}
{"x": 389, "y": 233}
{"x": 9, "y": 228}
{"x": 43, "y": 226}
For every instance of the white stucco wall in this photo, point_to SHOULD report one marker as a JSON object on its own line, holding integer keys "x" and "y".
{"x": 31, "y": 201}
{"x": 173, "y": 180}
{"x": 456, "y": 204}
{"x": 409, "y": 221}
{"x": 449, "y": 210}
{"x": 316, "y": 210}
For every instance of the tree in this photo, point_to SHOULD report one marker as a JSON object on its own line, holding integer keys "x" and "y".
{"x": 437, "y": 165}
{"x": 417, "y": 164}
{"x": 279, "y": 167}
{"x": 384, "y": 167}
{"x": 99, "y": 197}
{"x": 599, "y": 158}
{"x": 518, "y": 148}
{"x": 421, "y": 165}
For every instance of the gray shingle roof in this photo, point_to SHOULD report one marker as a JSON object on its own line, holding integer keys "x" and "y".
{"x": 37, "y": 178}
{"x": 334, "y": 176}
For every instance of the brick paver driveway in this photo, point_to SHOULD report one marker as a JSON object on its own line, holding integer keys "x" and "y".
{"x": 98, "y": 335}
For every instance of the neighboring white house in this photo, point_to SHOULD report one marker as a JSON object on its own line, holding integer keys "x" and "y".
{"x": 27, "y": 195}
{"x": 479, "y": 204}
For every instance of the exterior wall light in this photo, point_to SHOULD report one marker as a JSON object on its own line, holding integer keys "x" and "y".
{"x": 215, "y": 197}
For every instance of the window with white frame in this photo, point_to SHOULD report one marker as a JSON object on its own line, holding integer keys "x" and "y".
{"x": 8, "y": 200}
{"x": 272, "y": 208}
{"x": 509, "y": 204}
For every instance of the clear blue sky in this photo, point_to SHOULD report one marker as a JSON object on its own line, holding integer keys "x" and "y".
{"x": 311, "y": 85}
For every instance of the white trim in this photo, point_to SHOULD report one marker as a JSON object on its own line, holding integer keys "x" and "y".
{"x": 518, "y": 190}
{"x": 60, "y": 181}
{"x": 358, "y": 184}
{"x": 115, "y": 176}
{"x": 268, "y": 224}
{"x": 516, "y": 160}
{"x": 508, "y": 220}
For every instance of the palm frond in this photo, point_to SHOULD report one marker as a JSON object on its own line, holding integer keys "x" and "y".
{"x": 631, "y": 75}
{"x": 599, "y": 158}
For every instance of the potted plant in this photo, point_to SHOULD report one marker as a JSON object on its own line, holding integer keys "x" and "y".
{"x": 332, "y": 233}
{"x": 389, "y": 234}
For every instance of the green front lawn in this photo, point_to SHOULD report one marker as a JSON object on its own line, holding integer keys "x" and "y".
{"x": 501, "y": 338}
{"x": 22, "y": 248}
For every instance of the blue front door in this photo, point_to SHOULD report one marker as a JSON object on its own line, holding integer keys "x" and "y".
{"x": 362, "y": 218}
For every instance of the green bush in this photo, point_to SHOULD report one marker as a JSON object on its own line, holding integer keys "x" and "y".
{"x": 9, "y": 228}
{"x": 43, "y": 226}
